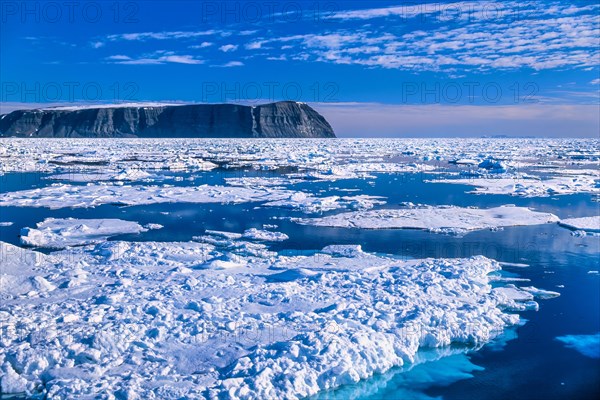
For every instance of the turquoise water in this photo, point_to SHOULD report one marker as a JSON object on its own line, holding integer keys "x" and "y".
{"x": 527, "y": 362}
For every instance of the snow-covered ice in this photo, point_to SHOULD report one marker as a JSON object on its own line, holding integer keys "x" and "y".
{"x": 311, "y": 204}
{"x": 587, "y": 224}
{"x": 75, "y": 196}
{"x": 253, "y": 327}
{"x": 443, "y": 219}
{"x": 529, "y": 186}
{"x": 226, "y": 316}
{"x": 57, "y": 233}
{"x": 264, "y": 235}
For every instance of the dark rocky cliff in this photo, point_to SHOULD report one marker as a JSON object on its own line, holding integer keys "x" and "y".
{"x": 285, "y": 119}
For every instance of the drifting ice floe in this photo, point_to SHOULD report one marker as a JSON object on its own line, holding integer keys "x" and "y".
{"x": 528, "y": 187}
{"x": 96, "y": 176}
{"x": 267, "y": 236}
{"x": 310, "y": 204}
{"x": 56, "y": 233}
{"x": 262, "y": 327}
{"x": 61, "y": 195}
{"x": 445, "y": 219}
{"x": 587, "y": 224}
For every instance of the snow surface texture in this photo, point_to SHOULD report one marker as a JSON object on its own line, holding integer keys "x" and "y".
{"x": 444, "y": 219}
{"x": 60, "y": 233}
{"x": 166, "y": 320}
{"x": 588, "y": 345}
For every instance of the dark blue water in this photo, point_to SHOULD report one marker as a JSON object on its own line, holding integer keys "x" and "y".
{"x": 533, "y": 364}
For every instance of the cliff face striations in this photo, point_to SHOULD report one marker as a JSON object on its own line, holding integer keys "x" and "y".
{"x": 285, "y": 119}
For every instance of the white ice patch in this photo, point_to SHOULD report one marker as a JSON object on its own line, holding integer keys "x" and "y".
{"x": 96, "y": 176}
{"x": 263, "y": 235}
{"x": 528, "y": 186}
{"x": 56, "y": 233}
{"x": 587, "y": 224}
{"x": 61, "y": 196}
{"x": 443, "y": 219}
{"x": 193, "y": 320}
{"x": 310, "y": 204}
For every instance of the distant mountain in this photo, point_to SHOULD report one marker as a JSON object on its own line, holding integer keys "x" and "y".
{"x": 284, "y": 119}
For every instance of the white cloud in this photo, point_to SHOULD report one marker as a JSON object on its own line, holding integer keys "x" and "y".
{"x": 118, "y": 57}
{"x": 160, "y": 57}
{"x": 595, "y": 81}
{"x": 202, "y": 45}
{"x": 140, "y": 36}
{"x": 228, "y": 47}
{"x": 253, "y": 45}
{"x": 233, "y": 64}
{"x": 480, "y": 36}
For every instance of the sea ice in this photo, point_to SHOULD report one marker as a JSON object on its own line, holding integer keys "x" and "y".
{"x": 263, "y": 235}
{"x": 57, "y": 233}
{"x": 75, "y": 196}
{"x": 197, "y": 320}
{"x": 528, "y": 186}
{"x": 442, "y": 219}
{"x": 308, "y": 203}
{"x": 587, "y": 224}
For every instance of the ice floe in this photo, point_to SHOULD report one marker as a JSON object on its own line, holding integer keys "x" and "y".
{"x": 195, "y": 320}
{"x": 75, "y": 196}
{"x": 310, "y": 204}
{"x": 528, "y": 186}
{"x": 586, "y": 224}
{"x": 263, "y": 235}
{"x": 441, "y": 219}
{"x": 313, "y": 158}
{"x": 57, "y": 233}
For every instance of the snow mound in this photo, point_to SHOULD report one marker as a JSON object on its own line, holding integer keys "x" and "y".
{"x": 56, "y": 233}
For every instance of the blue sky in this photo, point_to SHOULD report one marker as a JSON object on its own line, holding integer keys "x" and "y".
{"x": 374, "y": 68}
